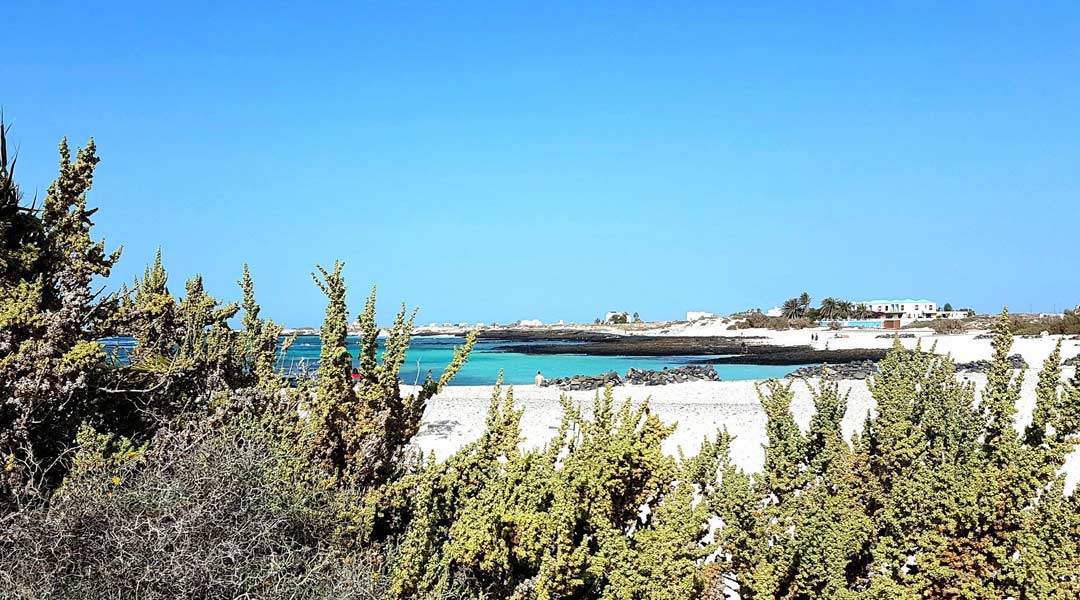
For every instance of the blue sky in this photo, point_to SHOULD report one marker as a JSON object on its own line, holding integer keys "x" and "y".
{"x": 490, "y": 162}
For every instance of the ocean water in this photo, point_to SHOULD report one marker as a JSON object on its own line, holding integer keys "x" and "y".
{"x": 484, "y": 364}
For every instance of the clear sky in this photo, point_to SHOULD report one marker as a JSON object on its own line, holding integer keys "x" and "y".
{"x": 497, "y": 161}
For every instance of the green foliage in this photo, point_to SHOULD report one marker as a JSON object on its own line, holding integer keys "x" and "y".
{"x": 360, "y": 431}
{"x": 601, "y": 512}
{"x": 50, "y": 362}
{"x": 939, "y": 497}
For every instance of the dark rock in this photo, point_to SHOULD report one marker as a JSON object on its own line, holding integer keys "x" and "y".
{"x": 1071, "y": 362}
{"x": 854, "y": 370}
{"x": 985, "y": 336}
{"x": 681, "y": 374}
{"x": 982, "y": 366}
{"x": 677, "y": 375}
{"x": 584, "y": 382}
{"x": 903, "y": 336}
{"x": 797, "y": 355}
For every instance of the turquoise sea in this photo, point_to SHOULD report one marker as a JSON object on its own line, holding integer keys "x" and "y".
{"x": 482, "y": 368}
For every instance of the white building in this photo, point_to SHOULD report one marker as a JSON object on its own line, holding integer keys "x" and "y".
{"x": 775, "y": 311}
{"x": 529, "y": 323}
{"x": 908, "y": 311}
{"x": 697, "y": 315}
{"x": 914, "y": 310}
{"x": 622, "y": 315}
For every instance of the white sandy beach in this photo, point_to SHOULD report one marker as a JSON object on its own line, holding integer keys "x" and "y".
{"x": 456, "y": 416}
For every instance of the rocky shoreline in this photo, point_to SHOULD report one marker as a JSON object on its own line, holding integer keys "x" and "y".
{"x": 982, "y": 366}
{"x": 718, "y": 350}
{"x": 855, "y": 370}
{"x": 683, "y": 374}
{"x": 797, "y": 355}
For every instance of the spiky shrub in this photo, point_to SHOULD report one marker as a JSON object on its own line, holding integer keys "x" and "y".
{"x": 941, "y": 496}
{"x": 186, "y": 352}
{"x": 601, "y": 512}
{"x": 50, "y": 319}
{"x": 360, "y": 430}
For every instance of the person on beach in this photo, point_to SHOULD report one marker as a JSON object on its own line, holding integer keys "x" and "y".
{"x": 539, "y": 379}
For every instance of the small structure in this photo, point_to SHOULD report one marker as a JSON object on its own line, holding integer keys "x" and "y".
{"x": 529, "y": 323}
{"x": 912, "y": 310}
{"x": 775, "y": 311}
{"x": 697, "y": 315}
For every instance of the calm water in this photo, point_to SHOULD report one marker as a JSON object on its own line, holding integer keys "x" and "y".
{"x": 482, "y": 368}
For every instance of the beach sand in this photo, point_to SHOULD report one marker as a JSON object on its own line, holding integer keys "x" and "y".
{"x": 455, "y": 417}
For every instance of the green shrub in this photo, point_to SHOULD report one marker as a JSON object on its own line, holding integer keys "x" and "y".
{"x": 565, "y": 521}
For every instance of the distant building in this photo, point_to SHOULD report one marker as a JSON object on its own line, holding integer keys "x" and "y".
{"x": 775, "y": 311}
{"x": 892, "y": 314}
{"x": 697, "y": 315}
{"x": 529, "y": 323}
{"x": 617, "y": 317}
{"x": 913, "y": 310}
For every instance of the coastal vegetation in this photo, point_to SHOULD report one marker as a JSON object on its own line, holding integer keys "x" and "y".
{"x": 192, "y": 469}
{"x": 943, "y": 326}
{"x": 829, "y": 309}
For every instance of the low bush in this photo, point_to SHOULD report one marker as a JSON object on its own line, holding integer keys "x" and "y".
{"x": 941, "y": 326}
{"x": 757, "y": 320}
{"x": 800, "y": 323}
{"x": 202, "y": 513}
{"x": 1067, "y": 324}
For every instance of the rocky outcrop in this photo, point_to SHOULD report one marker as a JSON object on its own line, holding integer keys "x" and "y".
{"x": 677, "y": 375}
{"x": 982, "y": 366}
{"x": 642, "y": 345}
{"x": 797, "y": 355}
{"x": 855, "y": 370}
{"x": 665, "y": 376}
{"x": 584, "y": 382}
{"x": 903, "y": 336}
{"x": 1071, "y": 362}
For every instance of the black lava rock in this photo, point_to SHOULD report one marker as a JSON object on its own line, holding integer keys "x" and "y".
{"x": 854, "y": 370}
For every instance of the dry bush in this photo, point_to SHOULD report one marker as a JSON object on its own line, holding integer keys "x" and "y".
{"x": 946, "y": 326}
{"x": 1067, "y": 324}
{"x": 800, "y": 323}
{"x": 757, "y": 320}
{"x": 204, "y": 514}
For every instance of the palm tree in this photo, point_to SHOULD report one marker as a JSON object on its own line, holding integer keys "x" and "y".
{"x": 845, "y": 309}
{"x": 861, "y": 311}
{"x": 829, "y": 309}
{"x": 790, "y": 308}
{"x": 804, "y": 303}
